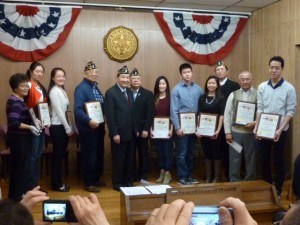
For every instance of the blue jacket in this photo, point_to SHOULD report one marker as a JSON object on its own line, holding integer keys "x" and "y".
{"x": 84, "y": 93}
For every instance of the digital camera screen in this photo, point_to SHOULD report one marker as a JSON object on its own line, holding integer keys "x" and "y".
{"x": 205, "y": 215}
{"x": 55, "y": 211}
{"x": 58, "y": 211}
{"x": 205, "y": 219}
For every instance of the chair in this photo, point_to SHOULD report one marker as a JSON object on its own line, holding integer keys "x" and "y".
{"x": 5, "y": 153}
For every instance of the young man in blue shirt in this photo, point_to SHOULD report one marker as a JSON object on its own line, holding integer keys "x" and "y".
{"x": 184, "y": 99}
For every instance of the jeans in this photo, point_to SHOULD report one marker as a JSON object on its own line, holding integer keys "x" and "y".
{"x": 265, "y": 147}
{"x": 185, "y": 156}
{"x": 60, "y": 144}
{"x": 35, "y": 156}
{"x": 165, "y": 153}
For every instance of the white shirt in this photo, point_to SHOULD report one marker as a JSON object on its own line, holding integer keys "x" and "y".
{"x": 59, "y": 106}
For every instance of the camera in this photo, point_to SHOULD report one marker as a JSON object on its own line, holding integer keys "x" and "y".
{"x": 206, "y": 215}
{"x": 58, "y": 211}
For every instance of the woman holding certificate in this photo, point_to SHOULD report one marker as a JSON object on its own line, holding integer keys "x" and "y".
{"x": 162, "y": 129}
{"x": 211, "y": 110}
{"x": 19, "y": 134}
{"x": 60, "y": 130}
{"x": 37, "y": 94}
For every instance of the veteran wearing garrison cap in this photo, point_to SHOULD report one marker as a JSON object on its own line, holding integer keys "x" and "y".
{"x": 91, "y": 133}
{"x": 143, "y": 111}
{"x": 119, "y": 118}
{"x": 226, "y": 87}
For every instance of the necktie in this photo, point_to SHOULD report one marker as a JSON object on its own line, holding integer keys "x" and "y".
{"x": 125, "y": 95}
{"x": 134, "y": 95}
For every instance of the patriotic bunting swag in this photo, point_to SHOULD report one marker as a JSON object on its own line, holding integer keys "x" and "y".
{"x": 30, "y": 33}
{"x": 202, "y": 39}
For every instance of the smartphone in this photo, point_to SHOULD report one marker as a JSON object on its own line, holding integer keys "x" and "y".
{"x": 206, "y": 215}
{"x": 58, "y": 211}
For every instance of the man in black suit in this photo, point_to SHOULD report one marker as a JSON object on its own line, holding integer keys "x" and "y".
{"x": 119, "y": 118}
{"x": 143, "y": 111}
{"x": 226, "y": 87}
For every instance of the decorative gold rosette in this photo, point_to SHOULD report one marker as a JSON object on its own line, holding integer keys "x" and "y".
{"x": 121, "y": 44}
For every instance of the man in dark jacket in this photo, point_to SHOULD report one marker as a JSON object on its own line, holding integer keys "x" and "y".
{"x": 91, "y": 132}
{"x": 118, "y": 113}
{"x": 143, "y": 111}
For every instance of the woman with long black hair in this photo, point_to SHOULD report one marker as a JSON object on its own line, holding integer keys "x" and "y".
{"x": 213, "y": 102}
{"x": 60, "y": 130}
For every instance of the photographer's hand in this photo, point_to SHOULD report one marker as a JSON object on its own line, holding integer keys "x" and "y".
{"x": 177, "y": 213}
{"x": 88, "y": 210}
{"x": 240, "y": 212}
{"x": 33, "y": 197}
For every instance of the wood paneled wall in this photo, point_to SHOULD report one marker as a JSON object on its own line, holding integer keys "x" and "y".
{"x": 155, "y": 56}
{"x": 274, "y": 30}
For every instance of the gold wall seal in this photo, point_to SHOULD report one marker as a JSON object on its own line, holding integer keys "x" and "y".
{"x": 121, "y": 44}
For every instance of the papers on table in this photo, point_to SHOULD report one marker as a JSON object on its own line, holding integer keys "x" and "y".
{"x": 145, "y": 190}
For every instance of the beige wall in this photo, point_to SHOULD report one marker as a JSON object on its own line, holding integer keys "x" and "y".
{"x": 275, "y": 30}
{"x": 155, "y": 55}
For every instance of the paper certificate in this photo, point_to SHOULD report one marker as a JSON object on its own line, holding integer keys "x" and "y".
{"x": 267, "y": 125}
{"x": 34, "y": 119}
{"x": 245, "y": 112}
{"x": 207, "y": 124}
{"x": 161, "y": 126}
{"x": 188, "y": 122}
{"x": 44, "y": 115}
{"x": 94, "y": 111}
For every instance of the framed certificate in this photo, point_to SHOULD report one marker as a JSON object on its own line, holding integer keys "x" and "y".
{"x": 161, "y": 127}
{"x": 267, "y": 125}
{"x": 44, "y": 115}
{"x": 207, "y": 124}
{"x": 94, "y": 111}
{"x": 34, "y": 119}
{"x": 188, "y": 122}
{"x": 70, "y": 118}
{"x": 245, "y": 113}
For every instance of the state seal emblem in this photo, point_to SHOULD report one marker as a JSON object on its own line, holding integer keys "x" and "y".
{"x": 121, "y": 44}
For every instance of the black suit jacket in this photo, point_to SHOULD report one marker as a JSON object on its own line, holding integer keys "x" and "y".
{"x": 143, "y": 110}
{"x": 118, "y": 113}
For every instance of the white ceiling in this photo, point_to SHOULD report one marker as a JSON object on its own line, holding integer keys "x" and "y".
{"x": 196, "y": 5}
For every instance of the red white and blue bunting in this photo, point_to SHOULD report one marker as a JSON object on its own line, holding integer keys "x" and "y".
{"x": 30, "y": 33}
{"x": 202, "y": 39}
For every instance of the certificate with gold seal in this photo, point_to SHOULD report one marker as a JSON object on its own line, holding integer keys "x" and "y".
{"x": 94, "y": 111}
{"x": 245, "y": 112}
{"x": 188, "y": 122}
{"x": 267, "y": 125}
{"x": 120, "y": 44}
{"x": 161, "y": 127}
{"x": 207, "y": 124}
{"x": 44, "y": 115}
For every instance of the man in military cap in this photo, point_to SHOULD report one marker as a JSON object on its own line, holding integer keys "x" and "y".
{"x": 119, "y": 118}
{"x": 91, "y": 133}
{"x": 226, "y": 87}
{"x": 143, "y": 111}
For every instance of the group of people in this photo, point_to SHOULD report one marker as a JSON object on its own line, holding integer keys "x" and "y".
{"x": 26, "y": 138}
{"x": 129, "y": 110}
{"x": 221, "y": 96}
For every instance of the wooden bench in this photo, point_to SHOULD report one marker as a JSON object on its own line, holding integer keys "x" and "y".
{"x": 260, "y": 199}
